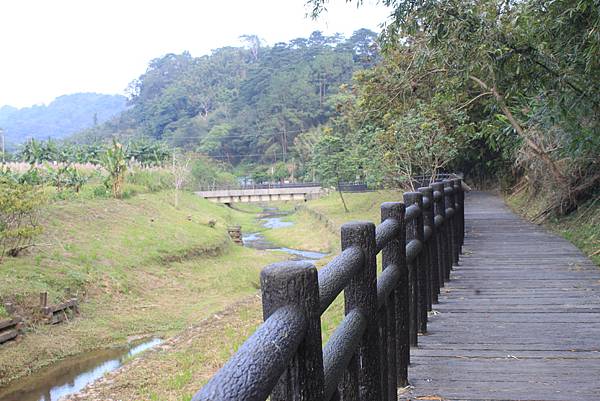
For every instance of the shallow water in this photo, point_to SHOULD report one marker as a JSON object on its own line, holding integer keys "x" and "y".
{"x": 72, "y": 374}
{"x": 275, "y": 221}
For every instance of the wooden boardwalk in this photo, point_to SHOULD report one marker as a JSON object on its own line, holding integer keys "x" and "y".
{"x": 519, "y": 319}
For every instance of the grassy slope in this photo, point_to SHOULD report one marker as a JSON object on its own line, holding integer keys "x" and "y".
{"x": 144, "y": 266}
{"x": 306, "y": 234}
{"x": 581, "y": 227}
{"x": 361, "y": 206}
{"x": 178, "y": 370}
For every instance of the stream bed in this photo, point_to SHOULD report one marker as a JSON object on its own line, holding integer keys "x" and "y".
{"x": 274, "y": 221}
{"x": 72, "y": 374}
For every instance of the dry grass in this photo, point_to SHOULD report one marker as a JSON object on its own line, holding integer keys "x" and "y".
{"x": 181, "y": 365}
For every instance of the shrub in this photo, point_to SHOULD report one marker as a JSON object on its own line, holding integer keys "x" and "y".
{"x": 19, "y": 208}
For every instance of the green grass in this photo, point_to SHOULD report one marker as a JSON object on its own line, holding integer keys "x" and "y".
{"x": 141, "y": 265}
{"x": 361, "y": 206}
{"x": 306, "y": 234}
{"x": 581, "y": 227}
{"x": 197, "y": 353}
{"x": 100, "y": 244}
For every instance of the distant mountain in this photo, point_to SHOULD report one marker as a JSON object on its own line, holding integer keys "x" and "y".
{"x": 64, "y": 116}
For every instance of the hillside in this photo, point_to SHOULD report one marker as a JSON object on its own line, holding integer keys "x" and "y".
{"x": 251, "y": 104}
{"x": 62, "y": 117}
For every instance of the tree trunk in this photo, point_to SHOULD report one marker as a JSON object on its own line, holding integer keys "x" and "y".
{"x": 342, "y": 197}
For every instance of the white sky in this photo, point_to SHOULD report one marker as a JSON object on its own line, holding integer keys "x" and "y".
{"x": 53, "y": 47}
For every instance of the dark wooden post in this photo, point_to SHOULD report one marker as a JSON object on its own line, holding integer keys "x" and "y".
{"x": 449, "y": 195}
{"x": 417, "y": 269}
{"x": 440, "y": 212}
{"x": 295, "y": 283}
{"x": 454, "y": 224}
{"x": 361, "y": 294}
{"x": 459, "y": 199}
{"x": 43, "y": 299}
{"x": 399, "y": 347}
{"x": 432, "y": 265}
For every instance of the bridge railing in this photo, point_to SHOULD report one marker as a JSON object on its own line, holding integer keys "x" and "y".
{"x": 368, "y": 355}
{"x": 260, "y": 186}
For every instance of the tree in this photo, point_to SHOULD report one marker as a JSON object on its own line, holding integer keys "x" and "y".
{"x": 113, "y": 160}
{"x": 19, "y": 211}
{"x": 333, "y": 162}
{"x": 525, "y": 69}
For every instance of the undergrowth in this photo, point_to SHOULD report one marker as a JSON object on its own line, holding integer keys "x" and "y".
{"x": 581, "y": 227}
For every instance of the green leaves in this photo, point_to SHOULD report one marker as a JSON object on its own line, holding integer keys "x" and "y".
{"x": 113, "y": 160}
{"x": 19, "y": 209}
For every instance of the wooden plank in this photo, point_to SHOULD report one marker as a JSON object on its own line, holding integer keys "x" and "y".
{"x": 8, "y": 323}
{"x": 8, "y": 335}
{"x": 519, "y": 320}
{"x": 63, "y": 305}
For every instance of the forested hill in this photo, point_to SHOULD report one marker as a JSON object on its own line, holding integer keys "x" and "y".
{"x": 62, "y": 117}
{"x": 249, "y": 103}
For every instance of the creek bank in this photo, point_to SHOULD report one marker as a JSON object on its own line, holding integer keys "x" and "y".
{"x": 184, "y": 362}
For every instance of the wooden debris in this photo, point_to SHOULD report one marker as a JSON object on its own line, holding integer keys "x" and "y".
{"x": 58, "y": 313}
{"x": 10, "y": 329}
{"x": 235, "y": 233}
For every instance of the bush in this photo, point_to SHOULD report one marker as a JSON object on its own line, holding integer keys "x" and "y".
{"x": 19, "y": 208}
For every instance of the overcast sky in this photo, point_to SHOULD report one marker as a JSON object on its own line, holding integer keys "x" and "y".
{"x": 50, "y": 48}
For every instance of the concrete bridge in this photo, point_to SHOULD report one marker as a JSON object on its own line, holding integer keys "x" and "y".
{"x": 246, "y": 195}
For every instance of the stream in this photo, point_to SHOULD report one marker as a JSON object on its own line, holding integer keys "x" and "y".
{"x": 73, "y": 374}
{"x": 274, "y": 220}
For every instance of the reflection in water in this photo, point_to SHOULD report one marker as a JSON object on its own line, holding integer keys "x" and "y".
{"x": 304, "y": 254}
{"x": 71, "y": 375}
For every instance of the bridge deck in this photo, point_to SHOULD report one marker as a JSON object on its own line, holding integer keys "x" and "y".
{"x": 519, "y": 320}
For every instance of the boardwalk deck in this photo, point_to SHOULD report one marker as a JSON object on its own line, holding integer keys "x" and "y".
{"x": 519, "y": 320}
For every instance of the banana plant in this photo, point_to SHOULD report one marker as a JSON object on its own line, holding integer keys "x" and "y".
{"x": 114, "y": 161}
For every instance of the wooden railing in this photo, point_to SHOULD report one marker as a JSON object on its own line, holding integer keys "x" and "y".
{"x": 368, "y": 355}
